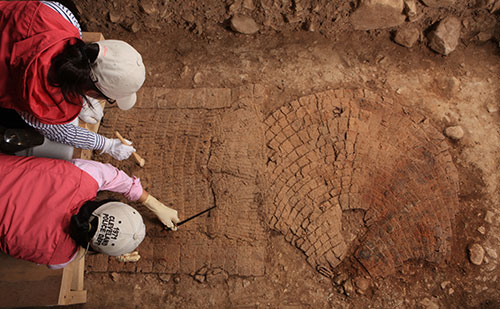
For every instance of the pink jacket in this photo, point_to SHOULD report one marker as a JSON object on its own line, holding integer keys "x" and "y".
{"x": 39, "y": 196}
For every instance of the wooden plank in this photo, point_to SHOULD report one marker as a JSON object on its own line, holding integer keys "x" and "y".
{"x": 78, "y": 297}
{"x": 78, "y": 275}
{"x": 67, "y": 278}
{"x": 71, "y": 289}
{"x": 92, "y": 36}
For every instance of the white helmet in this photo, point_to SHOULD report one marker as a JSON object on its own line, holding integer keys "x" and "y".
{"x": 120, "y": 229}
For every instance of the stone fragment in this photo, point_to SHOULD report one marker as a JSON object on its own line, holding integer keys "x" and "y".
{"x": 489, "y": 216}
{"x": 217, "y": 276}
{"x": 244, "y": 24}
{"x": 476, "y": 254}
{"x": 310, "y": 26}
{"x": 135, "y": 27}
{"x": 148, "y": 7}
{"x": 199, "y": 278}
{"x": 245, "y": 283}
{"x": 115, "y": 276}
{"x": 438, "y": 3}
{"x": 454, "y": 132}
{"x": 407, "y": 36}
{"x": 481, "y": 230}
{"x": 189, "y": 17}
{"x": 361, "y": 284}
{"x": 482, "y": 4}
{"x": 495, "y": 7}
{"x": 490, "y": 267}
{"x": 484, "y": 36}
{"x": 338, "y": 280}
{"x": 410, "y": 8}
{"x": 444, "y": 284}
{"x": 185, "y": 72}
{"x": 234, "y": 7}
{"x": 114, "y": 17}
{"x": 453, "y": 84}
{"x": 429, "y": 303}
{"x": 248, "y": 4}
{"x": 378, "y": 14}
{"x": 492, "y": 108}
{"x": 348, "y": 288}
{"x": 445, "y": 38}
{"x": 165, "y": 277}
{"x": 491, "y": 252}
{"x": 197, "y": 78}
{"x": 451, "y": 291}
{"x": 177, "y": 279}
{"x": 202, "y": 271}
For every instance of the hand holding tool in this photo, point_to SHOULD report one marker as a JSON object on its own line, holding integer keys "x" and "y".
{"x": 115, "y": 148}
{"x": 137, "y": 157}
{"x": 167, "y": 215}
{"x": 192, "y": 217}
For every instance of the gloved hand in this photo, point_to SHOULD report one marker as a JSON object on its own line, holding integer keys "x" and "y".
{"x": 167, "y": 215}
{"x": 91, "y": 111}
{"x": 128, "y": 257}
{"x": 116, "y": 149}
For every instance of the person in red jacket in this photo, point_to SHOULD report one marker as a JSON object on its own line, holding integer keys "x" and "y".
{"x": 48, "y": 212}
{"x": 49, "y": 76}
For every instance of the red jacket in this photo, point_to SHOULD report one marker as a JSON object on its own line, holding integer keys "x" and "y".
{"x": 31, "y": 34}
{"x": 38, "y": 198}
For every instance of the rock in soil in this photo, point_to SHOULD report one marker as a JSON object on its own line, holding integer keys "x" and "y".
{"x": 378, "y": 14}
{"x": 244, "y": 24}
{"x": 444, "y": 39}
{"x": 454, "y": 132}
{"x": 476, "y": 254}
{"x": 407, "y": 36}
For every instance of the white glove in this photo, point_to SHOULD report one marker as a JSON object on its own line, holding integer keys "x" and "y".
{"x": 116, "y": 149}
{"x": 167, "y": 215}
{"x": 128, "y": 257}
{"x": 93, "y": 113}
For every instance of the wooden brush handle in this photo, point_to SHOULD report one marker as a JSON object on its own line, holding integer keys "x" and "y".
{"x": 137, "y": 157}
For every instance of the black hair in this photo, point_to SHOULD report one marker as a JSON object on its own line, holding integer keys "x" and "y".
{"x": 70, "y": 70}
{"x": 83, "y": 225}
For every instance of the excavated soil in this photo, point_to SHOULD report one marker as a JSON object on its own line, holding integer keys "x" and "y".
{"x": 322, "y": 149}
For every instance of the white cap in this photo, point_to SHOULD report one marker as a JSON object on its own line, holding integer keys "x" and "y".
{"x": 118, "y": 72}
{"x": 120, "y": 229}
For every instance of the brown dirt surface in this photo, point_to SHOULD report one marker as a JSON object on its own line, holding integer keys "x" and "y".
{"x": 322, "y": 149}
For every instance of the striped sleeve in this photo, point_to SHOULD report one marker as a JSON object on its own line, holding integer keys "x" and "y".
{"x": 64, "y": 12}
{"x": 66, "y": 133}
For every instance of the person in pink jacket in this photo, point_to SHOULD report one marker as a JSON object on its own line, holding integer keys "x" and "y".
{"x": 48, "y": 213}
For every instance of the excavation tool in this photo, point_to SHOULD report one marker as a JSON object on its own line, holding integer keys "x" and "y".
{"x": 192, "y": 217}
{"x": 137, "y": 157}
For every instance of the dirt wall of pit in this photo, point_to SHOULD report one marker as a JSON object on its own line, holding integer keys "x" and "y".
{"x": 214, "y": 19}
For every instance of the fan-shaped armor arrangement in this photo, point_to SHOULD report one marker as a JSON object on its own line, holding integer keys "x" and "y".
{"x": 355, "y": 174}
